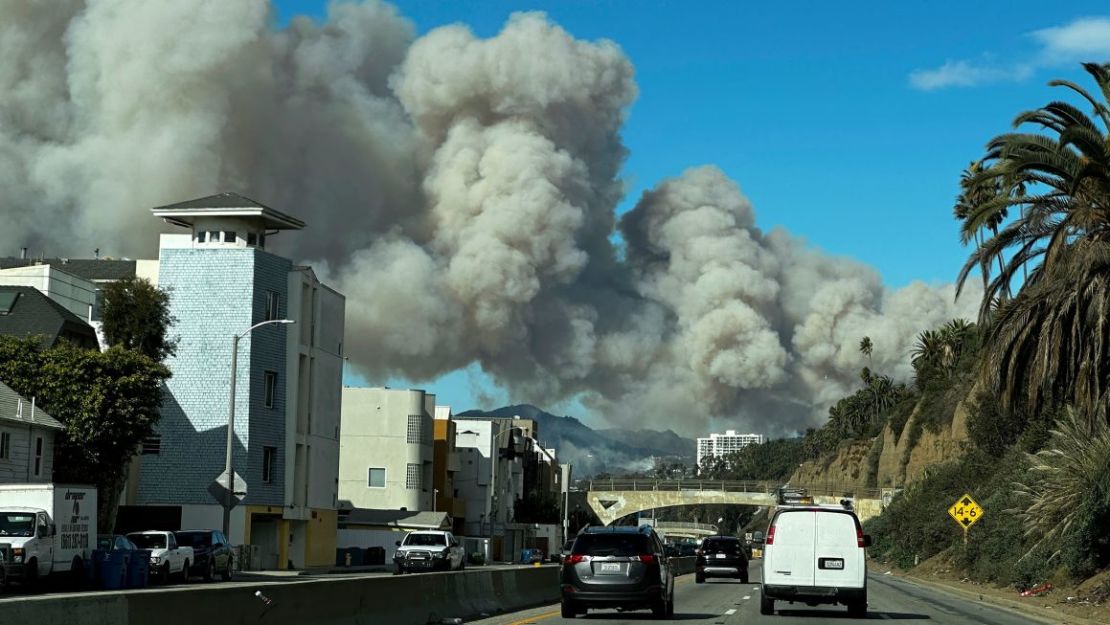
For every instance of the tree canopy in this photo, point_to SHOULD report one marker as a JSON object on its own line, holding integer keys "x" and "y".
{"x": 137, "y": 317}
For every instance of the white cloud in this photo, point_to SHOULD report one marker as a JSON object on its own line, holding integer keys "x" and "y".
{"x": 1079, "y": 40}
{"x": 1084, "y": 39}
{"x": 966, "y": 74}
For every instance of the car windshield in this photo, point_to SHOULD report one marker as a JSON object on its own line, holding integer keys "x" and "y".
{"x": 620, "y": 545}
{"x": 17, "y": 524}
{"x": 148, "y": 541}
{"x": 426, "y": 540}
{"x": 194, "y": 539}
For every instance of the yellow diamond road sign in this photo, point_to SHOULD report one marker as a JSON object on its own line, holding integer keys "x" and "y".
{"x": 966, "y": 511}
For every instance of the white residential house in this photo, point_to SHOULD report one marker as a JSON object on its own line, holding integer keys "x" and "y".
{"x": 26, "y": 439}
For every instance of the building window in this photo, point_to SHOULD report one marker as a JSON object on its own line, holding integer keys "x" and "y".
{"x": 376, "y": 478}
{"x": 271, "y": 387}
{"x": 252, "y": 238}
{"x": 269, "y": 464}
{"x": 152, "y": 445}
{"x": 201, "y": 236}
{"x": 38, "y": 456}
{"x": 229, "y": 236}
{"x": 5, "y": 445}
{"x": 273, "y": 305}
{"x": 413, "y": 476}
{"x": 415, "y": 434}
{"x": 214, "y": 236}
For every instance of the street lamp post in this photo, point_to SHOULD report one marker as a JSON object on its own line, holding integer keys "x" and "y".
{"x": 229, "y": 496}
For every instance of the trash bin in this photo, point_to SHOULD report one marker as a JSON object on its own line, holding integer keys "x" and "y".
{"x": 138, "y": 569}
{"x": 111, "y": 569}
{"x": 525, "y": 556}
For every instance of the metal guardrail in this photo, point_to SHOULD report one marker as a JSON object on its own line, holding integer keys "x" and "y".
{"x": 766, "y": 488}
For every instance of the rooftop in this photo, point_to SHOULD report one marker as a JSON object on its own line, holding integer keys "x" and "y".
{"x": 89, "y": 269}
{"x": 25, "y": 312}
{"x": 225, "y": 205}
{"x": 10, "y": 410}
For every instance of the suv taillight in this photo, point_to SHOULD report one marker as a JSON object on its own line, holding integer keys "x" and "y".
{"x": 575, "y": 558}
{"x": 770, "y": 538}
{"x": 646, "y": 558}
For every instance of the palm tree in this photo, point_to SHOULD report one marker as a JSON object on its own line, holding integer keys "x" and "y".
{"x": 1050, "y": 343}
{"x": 865, "y": 348}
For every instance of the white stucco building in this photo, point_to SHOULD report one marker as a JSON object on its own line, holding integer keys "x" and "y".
{"x": 386, "y": 449}
{"x": 723, "y": 444}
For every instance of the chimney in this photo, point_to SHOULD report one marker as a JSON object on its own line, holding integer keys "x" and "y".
{"x": 23, "y": 253}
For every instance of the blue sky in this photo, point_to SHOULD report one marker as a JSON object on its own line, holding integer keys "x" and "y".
{"x": 848, "y": 127}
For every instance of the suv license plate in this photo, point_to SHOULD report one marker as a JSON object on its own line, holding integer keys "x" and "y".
{"x": 721, "y": 555}
{"x": 831, "y": 563}
{"x": 610, "y": 567}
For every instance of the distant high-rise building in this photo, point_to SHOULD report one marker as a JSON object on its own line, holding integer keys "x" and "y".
{"x": 722, "y": 444}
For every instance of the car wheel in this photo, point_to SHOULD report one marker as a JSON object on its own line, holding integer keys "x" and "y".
{"x": 567, "y": 609}
{"x": 398, "y": 570}
{"x": 31, "y": 575}
{"x": 766, "y": 605}
{"x": 210, "y": 570}
{"x": 744, "y": 577}
{"x": 670, "y": 606}
{"x": 858, "y": 609}
{"x": 185, "y": 572}
{"x": 699, "y": 578}
{"x": 77, "y": 574}
{"x": 226, "y": 575}
{"x": 164, "y": 575}
{"x": 659, "y": 608}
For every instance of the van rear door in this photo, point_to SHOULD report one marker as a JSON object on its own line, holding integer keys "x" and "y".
{"x": 788, "y": 561}
{"x": 839, "y": 557}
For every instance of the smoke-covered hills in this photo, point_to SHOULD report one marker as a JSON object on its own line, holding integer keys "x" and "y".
{"x": 598, "y": 451}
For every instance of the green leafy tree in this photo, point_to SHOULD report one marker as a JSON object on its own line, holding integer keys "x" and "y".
{"x": 1048, "y": 345}
{"x": 137, "y": 317}
{"x": 108, "y": 401}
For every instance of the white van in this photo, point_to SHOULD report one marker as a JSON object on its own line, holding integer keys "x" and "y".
{"x": 814, "y": 555}
{"x": 47, "y": 529}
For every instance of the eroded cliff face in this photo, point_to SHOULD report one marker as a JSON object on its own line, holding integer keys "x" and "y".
{"x": 891, "y": 460}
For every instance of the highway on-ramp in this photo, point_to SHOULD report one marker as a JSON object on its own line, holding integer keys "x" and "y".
{"x": 726, "y": 602}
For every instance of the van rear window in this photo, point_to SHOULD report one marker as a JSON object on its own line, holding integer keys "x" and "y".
{"x": 620, "y": 545}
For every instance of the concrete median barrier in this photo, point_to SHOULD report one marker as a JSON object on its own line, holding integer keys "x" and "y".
{"x": 404, "y": 600}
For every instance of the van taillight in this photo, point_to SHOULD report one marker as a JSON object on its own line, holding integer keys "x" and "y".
{"x": 859, "y": 537}
{"x": 770, "y": 538}
{"x": 575, "y": 558}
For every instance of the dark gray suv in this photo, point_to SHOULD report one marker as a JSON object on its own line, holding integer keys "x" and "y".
{"x": 617, "y": 567}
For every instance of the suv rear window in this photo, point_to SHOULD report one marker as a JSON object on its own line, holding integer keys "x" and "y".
{"x": 611, "y": 545}
{"x": 720, "y": 545}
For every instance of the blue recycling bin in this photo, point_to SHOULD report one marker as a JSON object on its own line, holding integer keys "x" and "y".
{"x": 138, "y": 569}
{"x": 111, "y": 569}
{"x": 91, "y": 577}
{"x": 525, "y": 556}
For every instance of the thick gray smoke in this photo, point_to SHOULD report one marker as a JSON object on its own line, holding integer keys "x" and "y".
{"x": 460, "y": 191}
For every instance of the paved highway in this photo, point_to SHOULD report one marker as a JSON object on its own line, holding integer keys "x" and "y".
{"x": 724, "y": 602}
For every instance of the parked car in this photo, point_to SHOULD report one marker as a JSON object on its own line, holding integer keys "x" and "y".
{"x": 721, "y": 556}
{"x": 211, "y": 553}
{"x": 430, "y": 550}
{"x": 617, "y": 567}
{"x": 167, "y": 558}
{"x": 687, "y": 550}
{"x": 815, "y": 555}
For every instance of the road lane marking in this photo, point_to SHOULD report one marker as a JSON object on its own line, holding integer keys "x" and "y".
{"x": 746, "y": 597}
{"x": 730, "y": 612}
{"x": 533, "y": 619}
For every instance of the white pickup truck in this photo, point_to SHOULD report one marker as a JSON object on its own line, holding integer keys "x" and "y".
{"x": 166, "y": 557}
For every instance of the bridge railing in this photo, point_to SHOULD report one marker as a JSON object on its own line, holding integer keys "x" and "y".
{"x": 769, "y": 488}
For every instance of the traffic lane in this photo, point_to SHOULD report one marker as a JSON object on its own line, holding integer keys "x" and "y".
{"x": 896, "y": 599}
{"x": 716, "y": 602}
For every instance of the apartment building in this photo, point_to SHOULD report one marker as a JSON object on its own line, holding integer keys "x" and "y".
{"x": 717, "y": 445}
{"x": 222, "y": 282}
{"x": 386, "y": 449}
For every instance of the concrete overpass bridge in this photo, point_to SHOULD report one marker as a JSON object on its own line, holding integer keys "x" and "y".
{"x": 686, "y": 530}
{"x": 612, "y": 499}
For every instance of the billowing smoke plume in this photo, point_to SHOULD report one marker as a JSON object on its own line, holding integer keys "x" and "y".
{"x": 460, "y": 191}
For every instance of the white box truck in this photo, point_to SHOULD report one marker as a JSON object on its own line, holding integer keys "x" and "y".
{"x": 47, "y": 529}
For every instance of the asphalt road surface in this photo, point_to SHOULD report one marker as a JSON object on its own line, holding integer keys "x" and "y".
{"x": 727, "y": 602}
